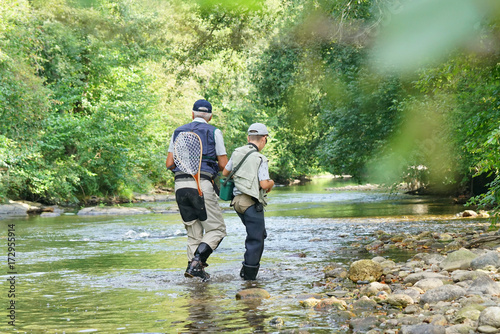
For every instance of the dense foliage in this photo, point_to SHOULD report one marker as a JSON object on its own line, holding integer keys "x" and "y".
{"x": 91, "y": 90}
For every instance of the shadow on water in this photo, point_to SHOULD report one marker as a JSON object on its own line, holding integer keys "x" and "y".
{"x": 124, "y": 274}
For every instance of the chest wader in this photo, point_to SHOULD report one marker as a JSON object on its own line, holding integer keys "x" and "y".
{"x": 253, "y": 219}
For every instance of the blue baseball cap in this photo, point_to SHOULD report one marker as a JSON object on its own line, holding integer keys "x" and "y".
{"x": 203, "y": 106}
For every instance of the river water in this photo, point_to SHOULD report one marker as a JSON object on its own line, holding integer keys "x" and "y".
{"x": 124, "y": 274}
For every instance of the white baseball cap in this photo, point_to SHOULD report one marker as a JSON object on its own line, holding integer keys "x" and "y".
{"x": 258, "y": 129}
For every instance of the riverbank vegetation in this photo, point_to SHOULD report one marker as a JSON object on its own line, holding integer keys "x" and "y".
{"x": 91, "y": 90}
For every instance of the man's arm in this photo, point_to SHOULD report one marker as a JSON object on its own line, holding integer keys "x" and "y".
{"x": 222, "y": 160}
{"x": 220, "y": 149}
{"x": 267, "y": 185}
{"x": 170, "y": 161}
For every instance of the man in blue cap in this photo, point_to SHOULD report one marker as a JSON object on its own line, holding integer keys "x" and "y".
{"x": 204, "y": 235}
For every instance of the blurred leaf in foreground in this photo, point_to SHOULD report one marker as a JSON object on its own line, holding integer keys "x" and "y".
{"x": 424, "y": 31}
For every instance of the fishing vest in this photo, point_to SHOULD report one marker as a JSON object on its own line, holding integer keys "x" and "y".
{"x": 206, "y": 131}
{"x": 246, "y": 178}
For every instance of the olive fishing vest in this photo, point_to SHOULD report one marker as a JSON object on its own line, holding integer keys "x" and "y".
{"x": 206, "y": 131}
{"x": 246, "y": 177}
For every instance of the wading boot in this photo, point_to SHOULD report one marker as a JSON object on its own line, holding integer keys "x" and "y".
{"x": 249, "y": 273}
{"x": 196, "y": 268}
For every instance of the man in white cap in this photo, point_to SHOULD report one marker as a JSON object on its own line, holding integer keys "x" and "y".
{"x": 252, "y": 183}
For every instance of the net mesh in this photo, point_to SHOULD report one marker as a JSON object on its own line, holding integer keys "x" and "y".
{"x": 187, "y": 152}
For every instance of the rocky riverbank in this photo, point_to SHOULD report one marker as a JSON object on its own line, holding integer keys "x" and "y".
{"x": 450, "y": 287}
{"x": 93, "y": 206}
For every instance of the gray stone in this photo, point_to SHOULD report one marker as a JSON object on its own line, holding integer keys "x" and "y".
{"x": 388, "y": 264}
{"x": 423, "y": 329}
{"x": 428, "y": 284}
{"x": 103, "y": 211}
{"x": 412, "y": 309}
{"x": 408, "y": 320}
{"x": 471, "y": 300}
{"x": 363, "y": 325}
{"x": 13, "y": 210}
{"x": 434, "y": 259}
{"x": 460, "y": 259}
{"x": 445, "y": 237}
{"x": 443, "y": 293}
{"x": 379, "y": 259}
{"x": 153, "y": 197}
{"x": 471, "y": 312}
{"x": 415, "y": 277}
{"x": 337, "y": 272}
{"x": 399, "y": 300}
{"x": 488, "y": 329}
{"x": 484, "y": 285}
{"x": 373, "y": 288}
{"x": 365, "y": 303}
{"x": 413, "y": 292}
{"x": 459, "y": 329}
{"x": 49, "y": 214}
{"x": 490, "y": 317}
{"x": 466, "y": 275}
{"x": 489, "y": 241}
{"x": 455, "y": 245}
{"x": 488, "y": 259}
{"x": 373, "y": 331}
{"x": 437, "y": 319}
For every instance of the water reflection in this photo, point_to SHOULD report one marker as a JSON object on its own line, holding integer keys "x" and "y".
{"x": 254, "y": 309}
{"x": 202, "y": 309}
{"x": 211, "y": 308}
{"x": 254, "y": 316}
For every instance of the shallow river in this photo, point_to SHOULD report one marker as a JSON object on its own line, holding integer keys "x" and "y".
{"x": 124, "y": 274}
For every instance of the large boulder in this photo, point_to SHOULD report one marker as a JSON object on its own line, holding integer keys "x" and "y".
{"x": 489, "y": 320}
{"x": 112, "y": 210}
{"x": 484, "y": 285}
{"x": 460, "y": 259}
{"x": 13, "y": 209}
{"x": 466, "y": 275}
{"x": 443, "y": 293}
{"x": 365, "y": 270}
{"x": 490, "y": 259}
